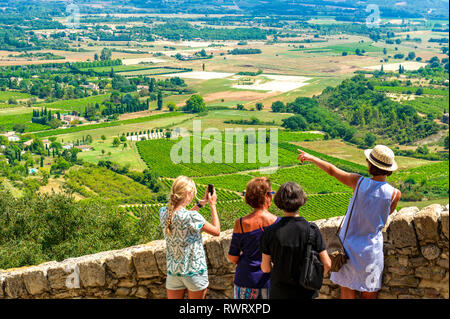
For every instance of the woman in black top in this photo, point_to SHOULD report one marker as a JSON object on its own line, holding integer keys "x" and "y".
{"x": 283, "y": 246}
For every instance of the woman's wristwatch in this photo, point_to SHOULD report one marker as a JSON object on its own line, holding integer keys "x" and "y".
{"x": 199, "y": 205}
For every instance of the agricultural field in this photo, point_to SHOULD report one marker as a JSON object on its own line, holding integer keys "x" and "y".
{"x": 317, "y": 81}
{"x": 6, "y": 95}
{"x": 78, "y": 105}
{"x": 97, "y": 182}
{"x": 9, "y": 120}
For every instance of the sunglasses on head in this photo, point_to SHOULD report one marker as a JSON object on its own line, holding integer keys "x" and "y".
{"x": 271, "y": 193}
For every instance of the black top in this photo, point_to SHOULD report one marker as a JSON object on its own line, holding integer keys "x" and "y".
{"x": 286, "y": 242}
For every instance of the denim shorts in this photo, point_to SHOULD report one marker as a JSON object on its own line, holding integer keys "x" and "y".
{"x": 192, "y": 283}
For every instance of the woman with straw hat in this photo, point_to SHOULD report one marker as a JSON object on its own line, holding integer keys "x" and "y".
{"x": 372, "y": 202}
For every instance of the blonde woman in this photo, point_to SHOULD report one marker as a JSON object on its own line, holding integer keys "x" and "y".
{"x": 186, "y": 261}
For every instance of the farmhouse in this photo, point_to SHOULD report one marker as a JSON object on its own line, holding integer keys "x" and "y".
{"x": 84, "y": 148}
{"x": 15, "y": 78}
{"x": 141, "y": 87}
{"x": 28, "y": 143}
{"x": 46, "y": 143}
{"x": 91, "y": 86}
{"x": 11, "y": 136}
{"x": 14, "y": 138}
{"x": 67, "y": 146}
{"x": 67, "y": 118}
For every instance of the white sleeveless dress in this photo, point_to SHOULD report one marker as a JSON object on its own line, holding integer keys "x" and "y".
{"x": 364, "y": 241}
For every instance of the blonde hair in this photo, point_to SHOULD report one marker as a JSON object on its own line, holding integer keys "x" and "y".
{"x": 181, "y": 188}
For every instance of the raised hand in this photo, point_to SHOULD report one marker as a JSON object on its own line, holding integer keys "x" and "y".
{"x": 212, "y": 199}
{"x": 303, "y": 156}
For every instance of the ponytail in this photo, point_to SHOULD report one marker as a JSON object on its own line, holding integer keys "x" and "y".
{"x": 170, "y": 208}
{"x": 181, "y": 187}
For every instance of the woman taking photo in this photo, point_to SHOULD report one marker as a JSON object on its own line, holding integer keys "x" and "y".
{"x": 182, "y": 228}
{"x": 284, "y": 246}
{"x": 372, "y": 202}
{"x": 249, "y": 281}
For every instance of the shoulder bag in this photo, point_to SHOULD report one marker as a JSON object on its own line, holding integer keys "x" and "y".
{"x": 311, "y": 272}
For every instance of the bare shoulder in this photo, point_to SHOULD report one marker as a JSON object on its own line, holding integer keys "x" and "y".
{"x": 269, "y": 219}
{"x": 237, "y": 227}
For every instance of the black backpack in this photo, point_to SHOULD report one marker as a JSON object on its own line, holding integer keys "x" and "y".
{"x": 311, "y": 268}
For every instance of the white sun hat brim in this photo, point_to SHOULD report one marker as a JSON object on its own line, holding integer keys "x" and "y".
{"x": 391, "y": 168}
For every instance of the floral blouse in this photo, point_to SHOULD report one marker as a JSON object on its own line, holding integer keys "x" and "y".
{"x": 184, "y": 248}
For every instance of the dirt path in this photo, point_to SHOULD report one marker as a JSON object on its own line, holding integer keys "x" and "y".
{"x": 433, "y": 138}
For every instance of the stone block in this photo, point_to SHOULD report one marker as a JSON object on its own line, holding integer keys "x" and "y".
{"x": 442, "y": 263}
{"x": 404, "y": 281}
{"x": 324, "y": 290}
{"x": 444, "y": 223}
{"x": 386, "y": 295}
{"x": 127, "y": 283}
{"x": 122, "y": 292}
{"x": 120, "y": 264}
{"x": 426, "y": 222}
{"x": 225, "y": 243}
{"x": 401, "y": 270}
{"x": 328, "y": 230}
{"x": 145, "y": 263}
{"x": 2, "y": 283}
{"x": 407, "y": 297}
{"x": 418, "y": 261}
{"x": 430, "y": 252}
{"x": 215, "y": 253}
{"x": 390, "y": 260}
{"x": 142, "y": 292}
{"x": 160, "y": 255}
{"x": 216, "y": 294}
{"x": 403, "y": 261}
{"x": 92, "y": 273}
{"x": 432, "y": 293}
{"x": 64, "y": 275}
{"x": 401, "y": 229}
{"x": 69, "y": 294}
{"x": 433, "y": 273}
{"x": 221, "y": 282}
{"x": 14, "y": 286}
{"x": 36, "y": 281}
{"x": 157, "y": 291}
{"x": 441, "y": 285}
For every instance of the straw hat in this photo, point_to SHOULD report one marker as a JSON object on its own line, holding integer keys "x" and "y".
{"x": 382, "y": 157}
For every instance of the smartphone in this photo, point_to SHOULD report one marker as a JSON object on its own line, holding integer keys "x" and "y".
{"x": 210, "y": 189}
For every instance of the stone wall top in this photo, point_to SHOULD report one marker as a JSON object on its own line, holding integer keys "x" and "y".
{"x": 412, "y": 238}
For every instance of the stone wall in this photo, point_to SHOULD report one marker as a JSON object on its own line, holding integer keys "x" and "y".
{"x": 416, "y": 265}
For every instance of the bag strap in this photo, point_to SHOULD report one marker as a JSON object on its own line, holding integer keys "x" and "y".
{"x": 350, "y": 216}
{"x": 240, "y": 222}
{"x": 310, "y": 235}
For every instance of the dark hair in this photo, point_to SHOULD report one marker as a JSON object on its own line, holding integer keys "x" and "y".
{"x": 256, "y": 190}
{"x": 375, "y": 171}
{"x": 290, "y": 197}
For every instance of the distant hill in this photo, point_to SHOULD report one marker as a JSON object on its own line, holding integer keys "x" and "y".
{"x": 344, "y": 10}
{"x": 355, "y": 8}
